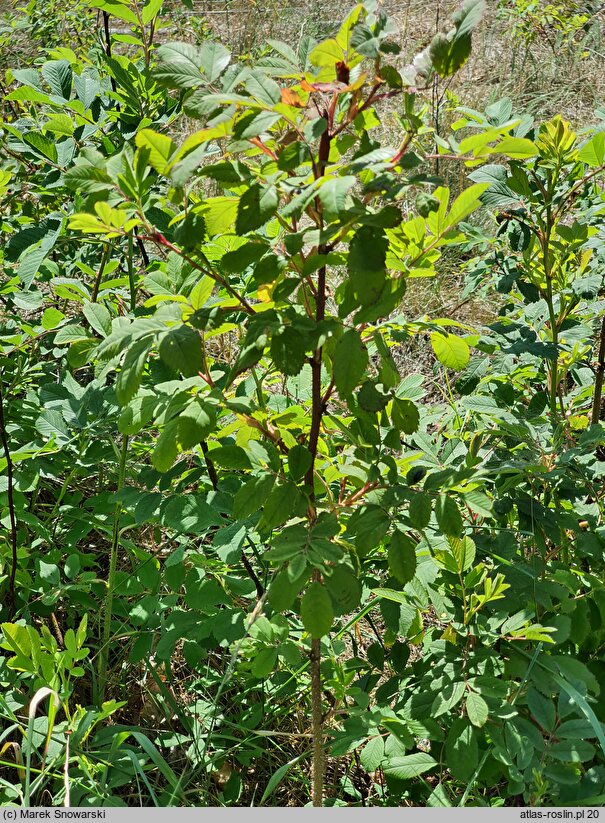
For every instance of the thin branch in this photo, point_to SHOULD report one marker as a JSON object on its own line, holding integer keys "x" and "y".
{"x": 108, "y": 51}
{"x": 11, "y": 598}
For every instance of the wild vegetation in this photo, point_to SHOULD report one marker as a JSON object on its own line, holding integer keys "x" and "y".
{"x": 253, "y": 550}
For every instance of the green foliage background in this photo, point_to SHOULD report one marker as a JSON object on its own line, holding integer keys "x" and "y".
{"x": 247, "y": 555}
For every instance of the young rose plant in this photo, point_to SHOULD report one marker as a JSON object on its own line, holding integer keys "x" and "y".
{"x": 284, "y": 240}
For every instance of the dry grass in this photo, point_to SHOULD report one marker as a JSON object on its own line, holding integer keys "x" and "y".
{"x": 544, "y": 77}
{"x": 541, "y": 79}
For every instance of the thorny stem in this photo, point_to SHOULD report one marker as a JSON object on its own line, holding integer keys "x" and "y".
{"x": 554, "y": 331}
{"x": 115, "y": 537}
{"x": 317, "y": 411}
{"x": 598, "y": 383}
{"x": 316, "y": 396}
{"x": 317, "y": 719}
{"x": 11, "y": 599}
{"x": 111, "y": 582}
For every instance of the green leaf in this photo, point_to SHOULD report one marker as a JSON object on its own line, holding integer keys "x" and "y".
{"x": 264, "y": 662}
{"x": 463, "y": 550}
{"x": 52, "y": 425}
{"x": 468, "y": 16}
{"x": 368, "y": 524}
{"x": 372, "y": 755}
{"x": 519, "y": 148}
{"x": 220, "y": 214}
{"x": 448, "y": 52}
{"x": 344, "y": 589}
{"x": 201, "y": 292}
{"x": 166, "y": 449}
{"x": 478, "y": 502}
{"x": 160, "y": 148}
{"x": 542, "y": 708}
{"x": 333, "y": 195}
{"x": 188, "y": 513}
{"x": 51, "y": 319}
{"x": 578, "y": 698}
{"x": 49, "y": 572}
{"x": 461, "y": 749}
{"x": 278, "y": 507}
{"x": 98, "y": 318}
{"x": 593, "y": 152}
{"x": 230, "y": 457}
{"x": 195, "y": 423}
{"x": 571, "y": 751}
{"x": 228, "y": 543}
{"x": 448, "y": 55}
{"x": 402, "y": 557}
{"x": 466, "y": 203}
{"x": 371, "y": 399}
{"x": 411, "y": 765}
{"x": 350, "y": 362}
{"x": 181, "y": 349}
{"x": 448, "y": 515}
{"x": 391, "y": 594}
{"x": 405, "y": 415}
{"x": 213, "y": 59}
{"x": 115, "y": 8}
{"x": 58, "y": 75}
{"x": 326, "y": 53}
{"x": 420, "y": 510}
{"x": 316, "y": 611}
{"x": 283, "y": 591}
{"x": 29, "y": 95}
{"x": 17, "y": 639}
{"x": 476, "y": 709}
{"x": 252, "y": 496}
{"x": 238, "y": 260}
{"x": 278, "y": 776}
{"x": 256, "y": 206}
{"x": 499, "y": 193}
{"x": 451, "y": 351}
{"x": 42, "y": 145}
{"x": 449, "y": 695}
{"x": 299, "y": 461}
{"x": 150, "y": 10}
{"x": 288, "y": 350}
{"x": 263, "y": 87}
{"x": 179, "y": 65}
{"x": 60, "y": 124}
{"x": 131, "y": 373}
{"x": 70, "y": 334}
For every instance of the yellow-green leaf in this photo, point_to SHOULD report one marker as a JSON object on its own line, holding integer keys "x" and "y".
{"x": 451, "y": 351}
{"x": 160, "y": 147}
